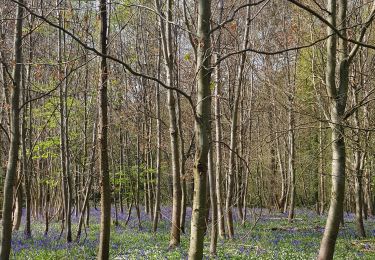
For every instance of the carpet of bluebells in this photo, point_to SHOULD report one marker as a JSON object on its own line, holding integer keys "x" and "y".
{"x": 265, "y": 236}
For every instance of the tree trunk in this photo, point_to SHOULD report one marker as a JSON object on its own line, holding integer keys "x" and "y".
{"x": 321, "y": 171}
{"x": 6, "y": 232}
{"x": 358, "y": 170}
{"x": 63, "y": 129}
{"x": 88, "y": 189}
{"x": 211, "y": 178}
{"x": 17, "y": 215}
{"x": 219, "y": 181}
{"x": 105, "y": 189}
{"x": 368, "y": 192}
{"x": 158, "y": 153}
{"x": 166, "y": 35}
{"x": 233, "y": 133}
{"x": 182, "y": 167}
{"x": 26, "y": 159}
{"x": 137, "y": 191}
{"x": 291, "y": 160}
{"x": 202, "y": 131}
{"x": 338, "y": 98}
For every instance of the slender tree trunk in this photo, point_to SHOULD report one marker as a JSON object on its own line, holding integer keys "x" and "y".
{"x": 219, "y": 181}
{"x": 321, "y": 170}
{"x": 211, "y": 178}
{"x": 122, "y": 175}
{"x": 176, "y": 203}
{"x": 359, "y": 197}
{"x": 166, "y": 35}
{"x": 150, "y": 175}
{"x": 46, "y": 210}
{"x": 26, "y": 159}
{"x": 358, "y": 169}
{"x": 291, "y": 161}
{"x": 137, "y": 191}
{"x": 233, "y": 132}
{"x": 18, "y": 203}
{"x": 283, "y": 174}
{"x": 6, "y": 232}
{"x": 105, "y": 189}
{"x": 202, "y": 131}
{"x": 368, "y": 192}
{"x": 89, "y": 184}
{"x": 158, "y": 153}
{"x": 63, "y": 130}
{"x": 182, "y": 167}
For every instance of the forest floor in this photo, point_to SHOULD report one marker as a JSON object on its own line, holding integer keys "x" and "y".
{"x": 265, "y": 236}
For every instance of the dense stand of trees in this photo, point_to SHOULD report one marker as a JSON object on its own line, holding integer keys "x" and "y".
{"x": 221, "y": 106}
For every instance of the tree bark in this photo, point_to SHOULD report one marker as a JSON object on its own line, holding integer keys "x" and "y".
{"x": 158, "y": 153}
{"x": 233, "y": 132}
{"x": 219, "y": 181}
{"x": 211, "y": 179}
{"x": 27, "y": 160}
{"x": 17, "y": 215}
{"x": 182, "y": 159}
{"x": 105, "y": 189}
{"x": 359, "y": 157}
{"x": 166, "y": 35}
{"x": 202, "y": 131}
{"x": 291, "y": 160}
{"x": 337, "y": 98}
{"x": 6, "y": 232}
{"x": 89, "y": 184}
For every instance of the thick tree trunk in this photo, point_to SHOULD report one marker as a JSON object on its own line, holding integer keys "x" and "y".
{"x": 6, "y": 232}
{"x": 337, "y": 194}
{"x": 202, "y": 131}
{"x": 338, "y": 98}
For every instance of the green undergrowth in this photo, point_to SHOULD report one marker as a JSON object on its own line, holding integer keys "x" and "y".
{"x": 270, "y": 238}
